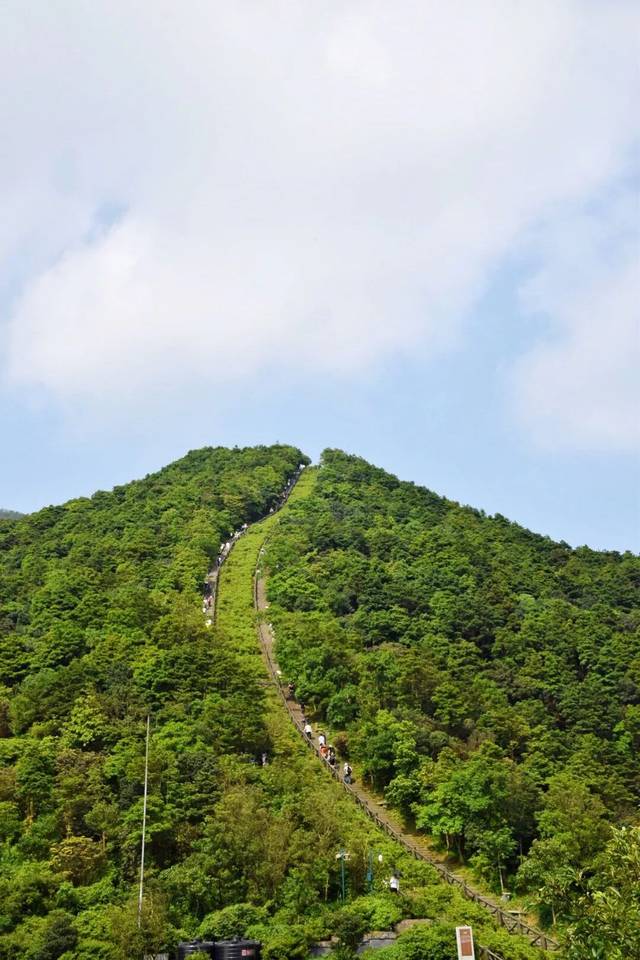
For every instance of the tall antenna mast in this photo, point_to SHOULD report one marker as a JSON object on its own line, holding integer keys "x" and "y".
{"x": 144, "y": 822}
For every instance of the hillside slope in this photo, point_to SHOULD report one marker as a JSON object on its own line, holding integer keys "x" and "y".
{"x": 99, "y": 625}
{"x": 485, "y": 678}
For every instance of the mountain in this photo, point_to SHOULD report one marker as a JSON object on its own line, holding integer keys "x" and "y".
{"x": 10, "y": 515}
{"x": 485, "y": 678}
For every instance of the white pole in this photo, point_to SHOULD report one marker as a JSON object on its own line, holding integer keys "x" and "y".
{"x": 144, "y": 822}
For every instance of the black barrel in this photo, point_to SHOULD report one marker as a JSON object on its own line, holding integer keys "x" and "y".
{"x": 236, "y": 950}
{"x": 195, "y": 946}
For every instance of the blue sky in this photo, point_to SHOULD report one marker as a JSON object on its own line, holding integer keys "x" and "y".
{"x": 407, "y": 231}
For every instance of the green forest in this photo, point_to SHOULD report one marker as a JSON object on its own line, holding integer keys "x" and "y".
{"x": 486, "y": 680}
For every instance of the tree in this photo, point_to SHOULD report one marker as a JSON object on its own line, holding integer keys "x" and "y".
{"x": 77, "y": 858}
{"x": 606, "y": 918}
{"x": 494, "y": 850}
{"x": 133, "y": 939}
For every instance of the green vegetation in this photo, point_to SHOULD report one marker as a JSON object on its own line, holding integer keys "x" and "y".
{"x": 99, "y": 624}
{"x": 294, "y": 796}
{"x": 485, "y": 678}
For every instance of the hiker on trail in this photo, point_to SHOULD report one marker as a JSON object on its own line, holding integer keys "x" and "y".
{"x": 264, "y": 759}
{"x": 347, "y": 771}
{"x": 292, "y": 689}
{"x": 323, "y": 751}
{"x": 394, "y": 884}
{"x": 322, "y": 740}
{"x": 308, "y": 730}
{"x": 332, "y": 756}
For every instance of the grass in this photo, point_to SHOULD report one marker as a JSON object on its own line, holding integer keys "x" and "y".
{"x": 235, "y": 614}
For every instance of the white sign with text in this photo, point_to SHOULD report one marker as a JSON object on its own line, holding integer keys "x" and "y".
{"x": 464, "y": 938}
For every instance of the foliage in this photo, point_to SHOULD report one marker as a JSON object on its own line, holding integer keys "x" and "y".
{"x": 99, "y": 624}
{"x": 460, "y": 660}
{"x": 487, "y": 679}
{"x": 606, "y": 914}
{"x": 437, "y": 942}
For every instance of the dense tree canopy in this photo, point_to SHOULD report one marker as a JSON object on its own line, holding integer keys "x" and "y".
{"x": 100, "y": 625}
{"x": 486, "y": 678}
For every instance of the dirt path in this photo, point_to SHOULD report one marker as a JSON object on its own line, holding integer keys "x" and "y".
{"x": 378, "y": 813}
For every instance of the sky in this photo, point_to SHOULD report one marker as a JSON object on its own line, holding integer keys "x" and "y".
{"x": 408, "y": 230}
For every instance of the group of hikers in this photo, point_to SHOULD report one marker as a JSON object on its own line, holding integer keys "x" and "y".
{"x": 226, "y": 547}
{"x": 207, "y": 600}
{"x": 209, "y": 592}
{"x": 282, "y": 499}
{"x": 326, "y": 750}
{"x": 328, "y": 754}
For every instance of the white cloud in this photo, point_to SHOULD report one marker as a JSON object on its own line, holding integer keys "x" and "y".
{"x": 579, "y": 386}
{"x": 302, "y": 187}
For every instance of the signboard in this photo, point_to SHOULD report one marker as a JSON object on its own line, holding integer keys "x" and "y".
{"x": 464, "y": 938}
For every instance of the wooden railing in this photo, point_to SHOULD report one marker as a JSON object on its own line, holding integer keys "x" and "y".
{"x": 504, "y": 919}
{"x": 484, "y": 953}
